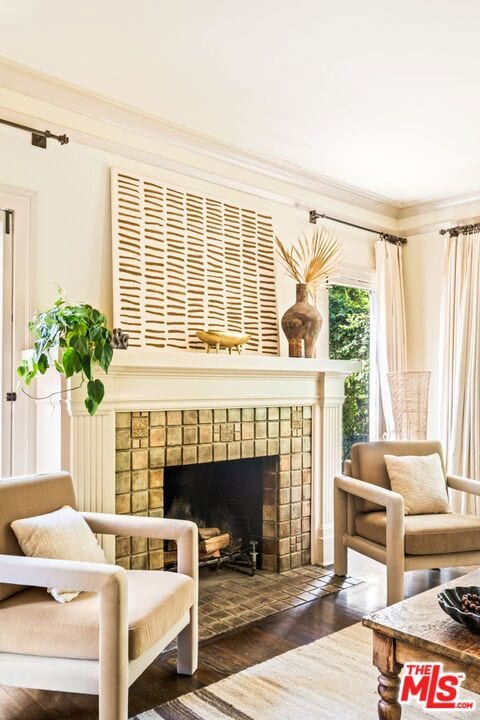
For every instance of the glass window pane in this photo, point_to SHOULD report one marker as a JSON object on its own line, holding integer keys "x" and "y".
{"x": 349, "y": 339}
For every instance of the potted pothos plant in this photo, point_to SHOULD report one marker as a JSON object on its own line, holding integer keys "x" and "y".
{"x": 79, "y": 337}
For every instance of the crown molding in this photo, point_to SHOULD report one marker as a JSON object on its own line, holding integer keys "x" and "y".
{"x": 430, "y": 206}
{"x": 40, "y": 86}
{"x": 46, "y": 88}
{"x": 435, "y": 227}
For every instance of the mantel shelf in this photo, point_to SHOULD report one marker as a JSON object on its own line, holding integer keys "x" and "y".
{"x": 159, "y": 362}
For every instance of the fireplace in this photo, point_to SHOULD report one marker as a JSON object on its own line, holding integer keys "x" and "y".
{"x": 117, "y": 458}
{"x": 235, "y": 496}
{"x": 244, "y": 470}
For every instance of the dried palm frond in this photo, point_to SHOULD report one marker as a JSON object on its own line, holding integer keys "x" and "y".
{"x": 312, "y": 260}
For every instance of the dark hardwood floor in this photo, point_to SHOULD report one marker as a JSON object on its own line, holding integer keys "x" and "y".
{"x": 228, "y": 654}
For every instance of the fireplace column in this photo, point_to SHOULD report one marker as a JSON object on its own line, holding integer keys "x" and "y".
{"x": 92, "y": 465}
{"x": 67, "y": 438}
{"x": 326, "y": 462}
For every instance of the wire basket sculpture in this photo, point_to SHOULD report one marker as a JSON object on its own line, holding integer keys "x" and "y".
{"x": 409, "y": 395}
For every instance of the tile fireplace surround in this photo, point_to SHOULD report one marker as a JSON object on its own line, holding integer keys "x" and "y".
{"x": 149, "y": 442}
{"x": 201, "y": 405}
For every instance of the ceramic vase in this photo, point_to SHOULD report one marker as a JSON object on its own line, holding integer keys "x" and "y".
{"x": 301, "y": 324}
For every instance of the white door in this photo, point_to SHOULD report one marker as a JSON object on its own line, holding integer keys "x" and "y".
{"x": 17, "y": 415}
{"x": 8, "y": 382}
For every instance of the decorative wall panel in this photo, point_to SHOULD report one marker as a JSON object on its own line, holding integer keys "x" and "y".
{"x": 184, "y": 262}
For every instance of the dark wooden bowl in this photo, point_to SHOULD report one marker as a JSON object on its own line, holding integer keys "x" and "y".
{"x": 450, "y": 600}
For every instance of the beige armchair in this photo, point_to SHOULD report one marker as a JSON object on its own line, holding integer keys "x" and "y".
{"x": 102, "y": 641}
{"x": 369, "y": 518}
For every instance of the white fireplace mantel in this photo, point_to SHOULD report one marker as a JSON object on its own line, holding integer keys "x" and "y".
{"x": 67, "y": 438}
{"x": 208, "y": 379}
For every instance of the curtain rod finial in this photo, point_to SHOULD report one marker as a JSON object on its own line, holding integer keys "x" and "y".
{"x": 461, "y": 230}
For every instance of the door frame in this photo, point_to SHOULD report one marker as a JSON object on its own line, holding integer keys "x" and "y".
{"x": 22, "y": 203}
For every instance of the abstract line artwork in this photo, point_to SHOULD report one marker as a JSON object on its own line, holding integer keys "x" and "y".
{"x": 184, "y": 262}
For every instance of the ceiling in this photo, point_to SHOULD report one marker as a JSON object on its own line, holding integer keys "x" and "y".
{"x": 379, "y": 94}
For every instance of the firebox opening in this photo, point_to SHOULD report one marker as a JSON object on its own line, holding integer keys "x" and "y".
{"x": 226, "y": 495}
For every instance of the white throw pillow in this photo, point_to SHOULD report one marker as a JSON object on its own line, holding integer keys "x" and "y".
{"x": 421, "y": 481}
{"x": 59, "y": 535}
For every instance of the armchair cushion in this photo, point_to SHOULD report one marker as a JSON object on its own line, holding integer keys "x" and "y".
{"x": 31, "y": 624}
{"x": 420, "y": 481}
{"x": 60, "y": 535}
{"x": 425, "y": 534}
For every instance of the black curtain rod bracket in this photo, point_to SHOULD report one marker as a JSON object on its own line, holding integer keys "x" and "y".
{"x": 460, "y": 230}
{"x": 394, "y": 239}
{"x": 39, "y": 137}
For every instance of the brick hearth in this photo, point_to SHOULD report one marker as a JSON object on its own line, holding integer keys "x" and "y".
{"x": 147, "y": 442}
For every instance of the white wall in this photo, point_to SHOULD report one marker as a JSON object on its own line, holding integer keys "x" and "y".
{"x": 72, "y": 239}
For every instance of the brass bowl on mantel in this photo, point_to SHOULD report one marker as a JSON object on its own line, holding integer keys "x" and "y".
{"x": 450, "y": 600}
{"x": 226, "y": 340}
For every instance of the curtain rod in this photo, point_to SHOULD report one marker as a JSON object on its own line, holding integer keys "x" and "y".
{"x": 460, "y": 230}
{"x": 39, "y": 137}
{"x": 394, "y": 239}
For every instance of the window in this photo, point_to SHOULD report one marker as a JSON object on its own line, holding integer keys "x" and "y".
{"x": 351, "y": 337}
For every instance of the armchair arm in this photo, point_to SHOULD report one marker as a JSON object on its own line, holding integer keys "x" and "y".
{"x": 395, "y": 529}
{"x": 137, "y": 525}
{"x": 110, "y": 581}
{"x": 74, "y": 575}
{"x": 183, "y": 532}
{"x": 455, "y": 482}
{"x": 370, "y": 492}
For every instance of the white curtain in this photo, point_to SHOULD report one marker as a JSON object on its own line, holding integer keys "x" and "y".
{"x": 390, "y": 325}
{"x": 460, "y": 376}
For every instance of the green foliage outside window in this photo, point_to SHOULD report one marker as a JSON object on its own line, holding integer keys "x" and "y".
{"x": 349, "y": 328}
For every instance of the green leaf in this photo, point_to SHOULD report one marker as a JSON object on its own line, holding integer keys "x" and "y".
{"x": 58, "y": 367}
{"x": 70, "y": 361}
{"x": 61, "y": 297}
{"x": 80, "y": 343}
{"x": 98, "y": 350}
{"x": 95, "y": 334}
{"x": 91, "y": 406}
{"x": 38, "y": 347}
{"x": 29, "y": 376}
{"x": 22, "y": 369}
{"x": 106, "y": 357}
{"x": 96, "y": 390}
{"x": 86, "y": 363}
{"x": 42, "y": 363}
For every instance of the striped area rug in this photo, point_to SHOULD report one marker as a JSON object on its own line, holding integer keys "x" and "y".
{"x": 330, "y": 679}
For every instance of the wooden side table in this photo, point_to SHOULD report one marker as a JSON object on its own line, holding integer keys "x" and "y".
{"x": 417, "y": 630}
